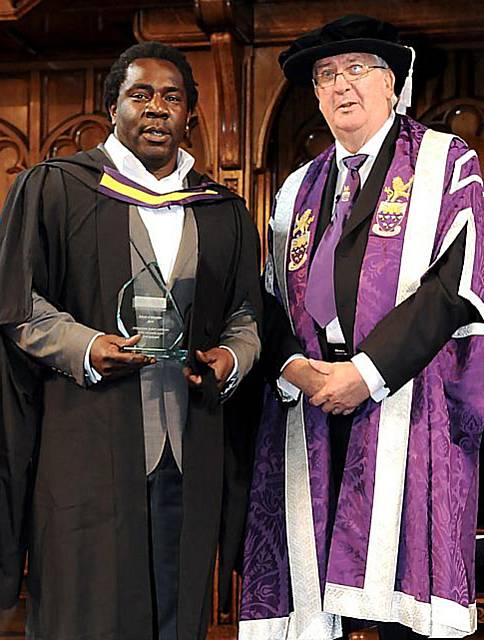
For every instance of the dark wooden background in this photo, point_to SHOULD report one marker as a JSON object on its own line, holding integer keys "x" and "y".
{"x": 250, "y": 128}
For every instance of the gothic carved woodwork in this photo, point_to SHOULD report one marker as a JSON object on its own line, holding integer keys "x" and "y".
{"x": 13, "y": 145}
{"x": 229, "y": 25}
{"x": 236, "y": 16}
{"x": 196, "y": 142}
{"x": 231, "y": 179}
{"x": 269, "y": 22}
{"x": 227, "y": 55}
{"x": 77, "y": 134}
{"x": 457, "y": 99}
{"x": 280, "y": 22}
{"x": 13, "y": 154}
{"x": 462, "y": 116}
{"x": 178, "y": 28}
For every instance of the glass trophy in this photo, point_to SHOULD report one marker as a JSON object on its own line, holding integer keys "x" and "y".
{"x": 147, "y": 307}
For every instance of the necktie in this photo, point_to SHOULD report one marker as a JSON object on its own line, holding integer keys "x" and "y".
{"x": 319, "y": 299}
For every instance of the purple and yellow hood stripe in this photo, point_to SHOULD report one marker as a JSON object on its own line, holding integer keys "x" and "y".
{"x": 117, "y": 186}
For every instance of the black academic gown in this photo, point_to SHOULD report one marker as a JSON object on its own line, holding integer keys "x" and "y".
{"x": 86, "y": 521}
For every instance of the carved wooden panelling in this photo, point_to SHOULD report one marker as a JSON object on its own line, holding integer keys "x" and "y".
{"x": 47, "y": 113}
{"x": 62, "y": 96}
{"x": 279, "y": 21}
{"x": 13, "y": 154}
{"x": 14, "y": 100}
{"x": 205, "y": 135}
{"x": 454, "y": 101}
{"x": 78, "y": 133}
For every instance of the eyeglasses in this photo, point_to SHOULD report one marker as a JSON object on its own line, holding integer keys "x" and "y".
{"x": 356, "y": 71}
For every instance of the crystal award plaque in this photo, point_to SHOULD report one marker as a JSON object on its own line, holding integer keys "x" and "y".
{"x": 147, "y": 307}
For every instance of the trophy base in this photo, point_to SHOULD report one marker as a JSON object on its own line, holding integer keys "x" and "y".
{"x": 178, "y": 355}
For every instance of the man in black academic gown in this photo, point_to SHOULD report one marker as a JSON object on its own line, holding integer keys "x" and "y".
{"x": 115, "y": 468}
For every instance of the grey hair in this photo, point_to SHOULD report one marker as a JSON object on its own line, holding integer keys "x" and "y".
{"x": 380, "y": 62}
{"x": 383, "y": 63}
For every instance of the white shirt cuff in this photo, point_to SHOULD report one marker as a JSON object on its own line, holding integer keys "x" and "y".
{"x": 233, "y": 378}
{"x": 288, "y": 391}
{"x": 92, "y": 376}
{"x": 371, "y": 376}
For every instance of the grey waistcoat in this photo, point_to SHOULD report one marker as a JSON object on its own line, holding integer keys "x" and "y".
{"x": 164, "y": 391}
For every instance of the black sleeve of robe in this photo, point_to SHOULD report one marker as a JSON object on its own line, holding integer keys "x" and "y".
{"x": 241, "y": 415}
{"x": 248, "y": 268}
{"x": 410, "y": 336}
{"x": 20, "y": 378}
{"x": 278, "y": 341}
{"x": 32, "y": 242}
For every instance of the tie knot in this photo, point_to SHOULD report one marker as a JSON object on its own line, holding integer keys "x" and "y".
{"x": 353, "y": 163}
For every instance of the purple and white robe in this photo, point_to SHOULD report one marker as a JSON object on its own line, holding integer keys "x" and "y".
{"x": 402, "y": 546}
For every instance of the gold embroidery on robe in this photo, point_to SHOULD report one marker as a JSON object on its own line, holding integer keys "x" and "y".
{"x": 298, "y": 253}
{"x": 392, "y": 210}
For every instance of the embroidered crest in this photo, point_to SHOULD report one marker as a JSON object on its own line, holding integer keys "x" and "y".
{"x": 300, "y": 240}
{"x": 391, "y": 211}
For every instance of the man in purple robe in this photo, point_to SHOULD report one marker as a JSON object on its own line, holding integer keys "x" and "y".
{"x": 363, "y": 504}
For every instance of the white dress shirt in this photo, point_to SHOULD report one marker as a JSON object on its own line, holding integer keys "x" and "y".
{"x": 334, "y": 335}
{"x": 164, "y": 225}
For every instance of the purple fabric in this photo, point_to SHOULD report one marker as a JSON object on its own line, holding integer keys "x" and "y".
{"x": 437, "y": 537}
{"x": 319, "y": 298}
{"x": 446, "y": 429}
{"x": 266, "y": 585}
{"x": 447, "y": 417}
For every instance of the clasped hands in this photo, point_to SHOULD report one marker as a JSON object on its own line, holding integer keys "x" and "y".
{"x": 110, "y": 359}
{"x": 337, "y": 388}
